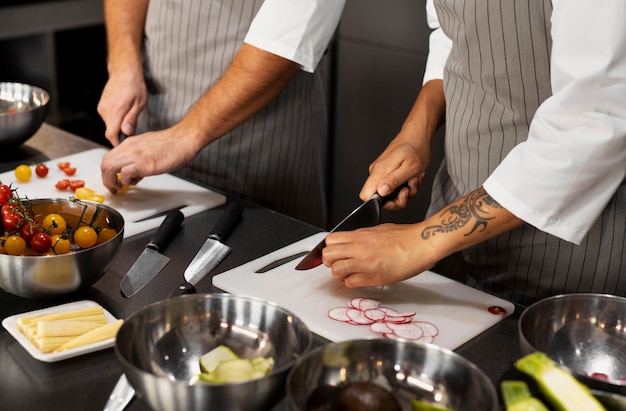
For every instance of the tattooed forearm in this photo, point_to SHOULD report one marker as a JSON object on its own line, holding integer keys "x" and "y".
{"x": 473, "y": 211}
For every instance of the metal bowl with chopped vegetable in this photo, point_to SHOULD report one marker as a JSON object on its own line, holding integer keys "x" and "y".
{"x": 23, "y": 109}
{"x": 64, "y": 267}
{"x": 161, "y": 346}
{"x": 585, "y": 333}
{"x": 387, "y": 374}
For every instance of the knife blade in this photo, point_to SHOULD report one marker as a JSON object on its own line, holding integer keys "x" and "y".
{"x": 121, "y": 395}
{"x": 365, "y": 215}
{"x": 280, "y": 261}
{"x": 152, "y": 261}
{"x": 212, "y": 252}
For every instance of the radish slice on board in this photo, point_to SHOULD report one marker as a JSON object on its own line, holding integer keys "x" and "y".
{"x": 358, "y": 316}
{"x": 375, "y": 314}
{"x": 339, "y": 314}
{"x": 368, "y": 303}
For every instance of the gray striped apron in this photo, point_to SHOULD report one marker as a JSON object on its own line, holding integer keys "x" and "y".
{"x": 495, "y": 78}
{"x": 277, "y": 158}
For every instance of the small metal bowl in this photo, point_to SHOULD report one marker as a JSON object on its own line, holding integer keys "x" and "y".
{"x": 23, "y": 109}
{"x": 584, "y": 333}
{"x": 409, "y": 370}
{"x": 38, "y": 277}
{"x": 160, "y": 347}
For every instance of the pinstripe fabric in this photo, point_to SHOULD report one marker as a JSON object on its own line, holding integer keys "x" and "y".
{"x": 278, "y": 157}
{"x": 495, "y": 78}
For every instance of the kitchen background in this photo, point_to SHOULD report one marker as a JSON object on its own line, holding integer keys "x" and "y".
{"x": 373, "y": 70}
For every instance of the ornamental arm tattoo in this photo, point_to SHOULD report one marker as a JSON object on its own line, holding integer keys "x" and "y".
{"x": 472, "y": 212}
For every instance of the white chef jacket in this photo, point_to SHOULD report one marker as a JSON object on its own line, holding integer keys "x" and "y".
{"x": 298, "y": 30}
{"x": 574, "y": 159}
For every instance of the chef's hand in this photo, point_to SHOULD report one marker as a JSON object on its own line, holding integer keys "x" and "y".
{"x": 376, "y": 256}
{"x": 123, "y": 98}
{"x": 400, "y": 162}
{"x": 147, "y": 154}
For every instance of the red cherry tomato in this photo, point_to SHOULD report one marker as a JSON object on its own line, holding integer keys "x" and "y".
{"x": 41, "y": 243}
{"x": 12, "y": 221}
{"x": 41, "y": 170}
{"x": 74, "y": 184}
{"x": 5, "y": 193}
{"x": 70, "y": 171}
{"x": 63, "y": 164}
{"x": 28, "y": 231}
{"x": 62, "y": 184}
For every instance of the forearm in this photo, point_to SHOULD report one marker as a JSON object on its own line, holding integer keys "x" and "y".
{"x": 124, "y": 22}
{"x": 426, "y": 115}
{"x": 253, "y": 79}
{"x": 468, "y": 221}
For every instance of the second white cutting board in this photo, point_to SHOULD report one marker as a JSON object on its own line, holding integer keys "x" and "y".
{"x": 458, "y": 311}
{"x": 153, "y": 195}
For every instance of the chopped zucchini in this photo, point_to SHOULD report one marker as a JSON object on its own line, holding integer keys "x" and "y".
{"x": 560, "y": 388}
{"x": 517, "y": 397}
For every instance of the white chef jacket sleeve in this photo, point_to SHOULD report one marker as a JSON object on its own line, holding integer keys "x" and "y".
{"x": 298, "y": 30}
{"x": 574, "y": 160}
{"x": 439, "y": 46}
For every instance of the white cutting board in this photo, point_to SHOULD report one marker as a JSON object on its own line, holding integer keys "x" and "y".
{"x": 153, "y": 195}
{"x": 458, "y": 311}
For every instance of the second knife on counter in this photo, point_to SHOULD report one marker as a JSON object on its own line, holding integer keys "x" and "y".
{"x": 212, "y": 251}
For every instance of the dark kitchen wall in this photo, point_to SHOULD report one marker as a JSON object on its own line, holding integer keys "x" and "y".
{"x": 380, "y": 55}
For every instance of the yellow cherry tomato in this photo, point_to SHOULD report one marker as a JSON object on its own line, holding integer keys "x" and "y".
{"x": 60, "y": 245}
{"x": 54, "y": 224}
{"x": 23, "y": 173}
{"x": 83, "y": 193}
{"x": 85, "y": 236}
{"x": 105, "y": 234}
{"x": 15, "y": 245}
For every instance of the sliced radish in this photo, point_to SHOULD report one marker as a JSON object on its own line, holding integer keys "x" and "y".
{"x": 375, "y": 314}
{"x": 408, "y": 331}
{"x": 427, "y": 339}
{"x": 368, "y": 303}
{"x": 428, "y": 328}
{"x": 380, "y": 328}
{"x": 339, "y": 314}
{"x": 354, "y": 303}
{"x": 358, "y": 316}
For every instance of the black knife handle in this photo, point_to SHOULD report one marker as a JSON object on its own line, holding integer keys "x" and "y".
{"x": 166, "y": 231}
{"x": 225, "y": 224}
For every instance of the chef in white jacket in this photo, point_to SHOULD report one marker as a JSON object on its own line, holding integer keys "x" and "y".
{"x": 225, "y": 93}
{"x": 530, "y": 199}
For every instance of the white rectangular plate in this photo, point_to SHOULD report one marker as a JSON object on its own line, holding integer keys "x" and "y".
{"x": 10, "y": 323}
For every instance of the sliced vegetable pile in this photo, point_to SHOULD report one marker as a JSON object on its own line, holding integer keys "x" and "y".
{"x": 384, "y": 320}
{"x": 66, "y": 330}
{"x": 562, "y": 391}
{"x": 27, "y": 233}
{"x": 222, "y": 366}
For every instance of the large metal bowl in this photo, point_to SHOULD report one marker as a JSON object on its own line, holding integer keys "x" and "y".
{"x": 160, "y": 347}
{"x": 56, "y": 275}
{"x": 585, "y": 333}
{"x": 409, "y": 370}
{"x": 23, "y": 109}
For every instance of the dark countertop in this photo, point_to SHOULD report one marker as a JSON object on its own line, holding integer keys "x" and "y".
{"x": 85, "y": 382}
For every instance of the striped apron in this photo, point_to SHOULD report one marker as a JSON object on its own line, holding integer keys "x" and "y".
{"x": 277, "y": 159}
{"x": 495, "y": 78}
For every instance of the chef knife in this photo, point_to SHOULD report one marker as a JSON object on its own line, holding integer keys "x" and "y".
{"x": 365, "y": 215}
{"x": 212, "y": 251}
{"x": 152, "y": 261}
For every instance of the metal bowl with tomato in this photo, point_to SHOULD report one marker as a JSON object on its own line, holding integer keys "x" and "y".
{"x": 23, "y": 109}
{"x": 63, "y": 263}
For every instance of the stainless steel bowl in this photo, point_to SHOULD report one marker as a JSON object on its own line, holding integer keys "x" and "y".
{"x": 585, "y": 333}
{"x": 55, "y": 275}
{"x": 23, "y": 109}
{"x": 159, "y": 348}
{"x": 409, "y": 370}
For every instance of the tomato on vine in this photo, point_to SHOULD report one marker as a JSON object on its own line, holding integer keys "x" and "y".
{"x": 12, "y": 221}
{"x": 15, "y": 245}
{"x": 41, "y": 243}
{"x": 54, "y": 224}
{"x": 29, "y": 230}
{"x": 5, "y": 193}
{"x": 60, "y": 245}
{"x": 85, "y": 237}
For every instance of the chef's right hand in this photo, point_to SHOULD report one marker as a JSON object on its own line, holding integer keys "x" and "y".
{"x": 399, "y": 163}
{"x": 123, "y": 98}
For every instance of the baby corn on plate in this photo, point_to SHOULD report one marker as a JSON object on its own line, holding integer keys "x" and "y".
{"x": 64, "y": 331}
